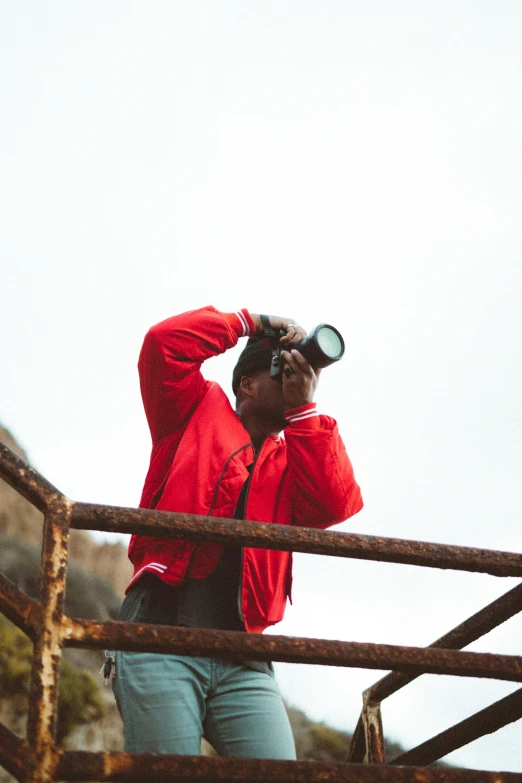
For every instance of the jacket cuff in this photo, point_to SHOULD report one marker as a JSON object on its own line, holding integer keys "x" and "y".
{"x": 240, "y": 322}
{"x": 305, "y": 416}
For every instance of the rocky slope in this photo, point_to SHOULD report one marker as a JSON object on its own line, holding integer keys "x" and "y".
{"x": 20, "y": 520}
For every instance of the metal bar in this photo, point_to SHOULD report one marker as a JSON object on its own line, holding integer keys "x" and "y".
{"x": 226, "y": 644}
{"x": 467, "y": 632}
{"x": 40, "y": 492}
{"x": 43, "y": 701}
{"x": 26, "y": 480}
{"x": 507, "y": 710}
{"x": 374, "y": 736}
{"x": 18, "y": 607}
{"x": 164, "y": 524}
{"x": 81, "y": 766}
{"x": 12, "y": 752}
{"x": 357, "y": 751}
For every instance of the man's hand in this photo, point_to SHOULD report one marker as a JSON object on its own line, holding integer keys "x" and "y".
{"x": 299, "y": 379}
{"x": 294, "y": 332}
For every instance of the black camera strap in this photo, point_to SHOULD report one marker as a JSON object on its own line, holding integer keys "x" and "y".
{"x": 269, "y": 332}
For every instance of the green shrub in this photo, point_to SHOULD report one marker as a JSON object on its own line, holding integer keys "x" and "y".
{"x": 16, "y": 655}
{"x": 329, "y": 743}
{"x": 80, "y": 700}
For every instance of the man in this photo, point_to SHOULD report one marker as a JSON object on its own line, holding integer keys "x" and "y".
{"x": 211, "y": 460}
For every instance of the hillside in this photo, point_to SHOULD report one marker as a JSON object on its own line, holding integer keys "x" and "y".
{"x": 20, "y": 520}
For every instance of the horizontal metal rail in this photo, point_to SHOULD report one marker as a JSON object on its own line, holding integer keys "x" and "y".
{"x": 496, "y": 716}
{"x": 226, "y": 644}
{"x": 26, "y": 480}
{"x": 75, "y": 765}
{"x": 167, "y": 524}
{"x": 41, "y": 493}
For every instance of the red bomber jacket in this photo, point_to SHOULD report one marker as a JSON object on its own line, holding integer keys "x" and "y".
{"x": 199, "y": 460}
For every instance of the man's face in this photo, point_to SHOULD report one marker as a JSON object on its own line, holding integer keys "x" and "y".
{"x": 268, "y": 401}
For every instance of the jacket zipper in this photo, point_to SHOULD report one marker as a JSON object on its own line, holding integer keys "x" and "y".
{"x": 211, "y": 509}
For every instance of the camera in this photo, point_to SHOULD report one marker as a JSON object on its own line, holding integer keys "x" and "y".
{"x": 324, "y": 345}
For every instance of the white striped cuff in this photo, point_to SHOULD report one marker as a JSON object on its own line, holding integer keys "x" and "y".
{"x": 159, "y": 567}
{"x": 244, "y": 323}
{"x": 306, "y": 414}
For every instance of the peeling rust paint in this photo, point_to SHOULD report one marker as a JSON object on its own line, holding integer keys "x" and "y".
{"x": 372, "y": 724}
{"x": 122, "y": 766}
{"x": 43, "y": 702}
{"x": 224, "y": 644}
{"x": 164, "y": 524}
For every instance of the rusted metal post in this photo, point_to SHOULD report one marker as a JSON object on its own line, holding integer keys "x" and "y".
{"x": 43, "y": 703}
{"x": 372, "y": 724}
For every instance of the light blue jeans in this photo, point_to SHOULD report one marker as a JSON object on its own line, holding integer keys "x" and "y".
{"x": 168, "y": 702}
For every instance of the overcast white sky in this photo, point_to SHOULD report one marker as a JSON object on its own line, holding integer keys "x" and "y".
{"x": 357, "y": 163}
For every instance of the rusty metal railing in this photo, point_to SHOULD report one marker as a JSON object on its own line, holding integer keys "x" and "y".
{"x": 37, "y": 759}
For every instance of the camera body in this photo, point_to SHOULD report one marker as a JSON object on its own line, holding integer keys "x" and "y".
{"x": 323, "y": 346}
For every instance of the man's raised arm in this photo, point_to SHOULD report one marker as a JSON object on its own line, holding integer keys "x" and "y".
{"x": 170, "y": 362}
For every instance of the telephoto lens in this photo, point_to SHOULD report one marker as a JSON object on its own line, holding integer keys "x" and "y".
{"x": 323, "y": 346}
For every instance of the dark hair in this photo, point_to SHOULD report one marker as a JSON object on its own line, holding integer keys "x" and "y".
{"x": 255, "y": 356}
